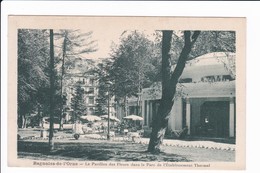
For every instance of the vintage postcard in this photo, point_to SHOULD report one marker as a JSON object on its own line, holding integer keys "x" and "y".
{"x": 126, "y": 92}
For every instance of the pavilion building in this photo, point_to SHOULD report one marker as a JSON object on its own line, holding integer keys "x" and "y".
{"x": 206, "y": 98}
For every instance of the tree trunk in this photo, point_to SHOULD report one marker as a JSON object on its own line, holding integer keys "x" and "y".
{"x": 62, "y": 74}
{"x": 169, "y": 82}
{"x": 160, "y": 121}
{"x": 51, "y": 142}
{"x": 39, "y": 115}
{"x": 20, "y": 121}
{"x": 24, "y": 121}
{"x": 125, "y": 106}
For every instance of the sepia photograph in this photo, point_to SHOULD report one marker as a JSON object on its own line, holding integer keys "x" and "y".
{"x": 139, "y": 92}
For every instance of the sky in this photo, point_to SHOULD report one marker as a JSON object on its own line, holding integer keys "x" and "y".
{"x": 105, "y": 39}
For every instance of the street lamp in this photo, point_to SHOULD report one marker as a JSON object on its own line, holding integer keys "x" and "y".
{"x": 139, "y": 105}
{"x": 108, "y": 116}
{"x": 108, "y": 84}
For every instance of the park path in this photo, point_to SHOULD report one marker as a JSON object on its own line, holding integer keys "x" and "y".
{"x": 86, "y": 149}
{"x": 35, "y": 135}
{"x": 172, "y": 142}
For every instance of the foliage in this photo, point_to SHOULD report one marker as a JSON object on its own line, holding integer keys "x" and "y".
{"x": 104, "y": 86}
{"x": 177, "y": 49}
{"x": 34, "y": 73}
{"x": 72, "y": 44}
{"x": 135, "y": 64}
{"x": 169, "y": 83}
{"x": 32, "y": 63}
{"x": 214, "y": 41}
{"x": 32, "y": 68}
{"x": 78, "y": 101}
{"x": 207, "y": 42}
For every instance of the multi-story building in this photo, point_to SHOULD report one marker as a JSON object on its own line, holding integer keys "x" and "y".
{"x": 81, "y": 74}
{"x": 205, "y": 102}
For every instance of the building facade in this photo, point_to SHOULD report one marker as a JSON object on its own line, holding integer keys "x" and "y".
{"x": 88, "y": 84}
{"x": 131, "y": 107}
{"x": 205, "y": 100}
{"x": 80, "y": 74}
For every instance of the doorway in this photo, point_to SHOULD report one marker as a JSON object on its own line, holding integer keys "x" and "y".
{"x": 214, "y": 119}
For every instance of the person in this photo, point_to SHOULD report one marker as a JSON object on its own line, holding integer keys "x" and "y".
{"x": 77, "y": 127}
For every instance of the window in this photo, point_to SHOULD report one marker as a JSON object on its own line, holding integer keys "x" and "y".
{"x": 227, "y": 78}
{"x": 208, "y": 79}
{"x": 91, "y": 100}
{"x": 217, "y": 78}
{"x": 91, "y": 91}
{"x": 91, "y": 81}
{"x": 185, "y": 80}
{"x": 91, "y": 111}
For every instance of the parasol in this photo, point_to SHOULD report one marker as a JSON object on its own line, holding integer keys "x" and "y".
{"x": 134, "y": 118}
{"x": 91, "y": 118}
{"x": 113, "y": 118}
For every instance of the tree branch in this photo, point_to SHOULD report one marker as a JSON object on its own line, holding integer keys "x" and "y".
{"x": 166, "y": 60}
{"x": 195, "y": 36}
{"x": 188, "y": 43}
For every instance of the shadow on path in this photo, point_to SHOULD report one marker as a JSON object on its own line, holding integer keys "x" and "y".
{"x": 94, "y": 151}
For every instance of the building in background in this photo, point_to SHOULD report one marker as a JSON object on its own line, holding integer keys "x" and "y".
{"x": 205, "y": 100}
{"x": 131, "y": 107}
{"x": 81, "y": 73}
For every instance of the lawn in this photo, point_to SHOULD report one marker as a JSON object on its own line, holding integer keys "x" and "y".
{"x": 102, "y": 150}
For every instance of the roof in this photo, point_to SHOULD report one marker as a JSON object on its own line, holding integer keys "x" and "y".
{"x": 200, "y": 89}
{"x": 217, "y": 63}
{"x": 211, "y": 64}
{"x": 211, "y": 59}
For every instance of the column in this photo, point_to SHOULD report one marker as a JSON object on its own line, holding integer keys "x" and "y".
{"x": 147, "y": 113}
{"x": 188, "y": 114}
{"x": 143, "y": 106}
{"x": 231, "y": 117}
{"x": 150, "y": 114}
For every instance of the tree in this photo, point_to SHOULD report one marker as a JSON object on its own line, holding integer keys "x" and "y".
{"x": 43, "y": 94}
{"x": 52, "y": 91}
{"x": 33, "y": 75}
{"x": 208, "y": 42}
{"x": 169, "y": 82}
{"x": 102, "y": 72}
{"x": 78, "y": 102}
{"x": 133, "y": 67}
{"x": 74, "y": 44}
{"x": 217, "y": 41}
{"x": 33, "y": 53}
